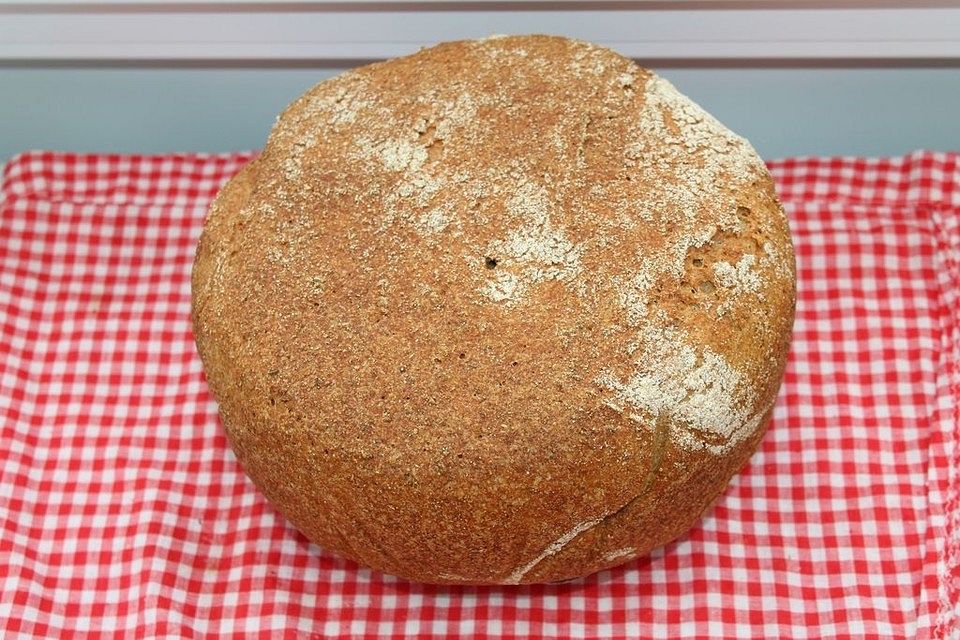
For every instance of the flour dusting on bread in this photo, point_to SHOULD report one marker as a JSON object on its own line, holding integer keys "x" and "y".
{"x": 696, "y": 387}
{"x": 534, "y": 251}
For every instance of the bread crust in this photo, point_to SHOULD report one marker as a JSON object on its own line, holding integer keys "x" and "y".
{"x": 503, "y": 311}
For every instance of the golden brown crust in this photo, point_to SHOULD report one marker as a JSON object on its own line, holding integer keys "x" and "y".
{"x": 509, "y": 310}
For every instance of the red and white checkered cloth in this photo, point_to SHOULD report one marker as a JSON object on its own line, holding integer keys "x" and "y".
{"x": 124, "y": 514}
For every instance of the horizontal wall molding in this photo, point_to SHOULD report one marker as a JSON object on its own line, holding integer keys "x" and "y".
{"x": 220, "y": 31}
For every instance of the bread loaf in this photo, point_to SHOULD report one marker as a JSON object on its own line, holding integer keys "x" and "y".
{"x": 503, "y": 311}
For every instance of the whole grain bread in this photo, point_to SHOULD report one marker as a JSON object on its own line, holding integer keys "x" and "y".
{"x": 502, "y": 311}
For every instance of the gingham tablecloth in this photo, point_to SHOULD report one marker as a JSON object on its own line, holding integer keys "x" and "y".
{"x": 124, "y": 514}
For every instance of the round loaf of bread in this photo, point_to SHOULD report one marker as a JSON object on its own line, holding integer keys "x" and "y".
{"x": 503, "y": 311}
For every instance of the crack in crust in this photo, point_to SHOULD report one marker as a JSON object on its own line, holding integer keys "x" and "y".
{"x": 659, "y": 446}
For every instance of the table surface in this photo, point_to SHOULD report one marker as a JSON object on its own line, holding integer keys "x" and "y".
{"x": 123, "y": 512}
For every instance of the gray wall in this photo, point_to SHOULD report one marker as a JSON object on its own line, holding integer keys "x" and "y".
{"x": 783, "y": 111}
